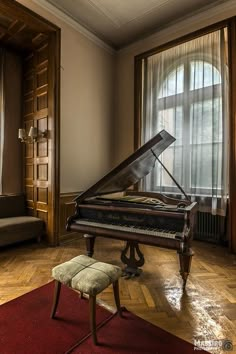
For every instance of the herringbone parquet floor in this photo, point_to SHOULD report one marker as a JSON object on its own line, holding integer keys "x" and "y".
{"x": 205, "y": 312}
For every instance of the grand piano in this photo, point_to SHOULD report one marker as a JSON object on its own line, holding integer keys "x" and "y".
{"x": 114, "y": 209}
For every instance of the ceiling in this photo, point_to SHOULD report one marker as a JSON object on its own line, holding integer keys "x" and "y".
{"x": 121, "y": 22}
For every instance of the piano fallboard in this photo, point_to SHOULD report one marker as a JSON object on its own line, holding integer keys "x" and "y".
{"x": 133, "y": 217}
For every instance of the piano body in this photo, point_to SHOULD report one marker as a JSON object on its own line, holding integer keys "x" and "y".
{"x": 112, "y": 210}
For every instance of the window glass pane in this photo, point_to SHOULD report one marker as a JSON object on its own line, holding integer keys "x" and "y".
{"x": 173, "y": 84}
{"x": 172, "y": 121}
{"x": 172, "y": 158}
{"x": 203, "y": 74}
{"x": 206, "y": 121}
{"x": 206, "y": 167}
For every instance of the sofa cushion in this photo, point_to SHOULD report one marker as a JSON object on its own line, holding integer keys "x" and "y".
{"x": 21, "y": 223}
{"x": 20, "y": 228}
{"x": 12, "y": 205}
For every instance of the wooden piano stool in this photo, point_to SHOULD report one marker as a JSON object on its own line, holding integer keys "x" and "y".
{"x": 86, "y": 275}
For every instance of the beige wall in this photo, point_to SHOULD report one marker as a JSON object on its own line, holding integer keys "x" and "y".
{"x": 97, "y": 100}
{"x": 87, "y": 106}
{"x": 125, "y": 70}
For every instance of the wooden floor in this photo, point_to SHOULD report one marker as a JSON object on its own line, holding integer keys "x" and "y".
{"x": 206, "y": 311}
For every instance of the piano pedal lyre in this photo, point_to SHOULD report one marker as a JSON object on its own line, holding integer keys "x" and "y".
{"x": 132, "y": 270}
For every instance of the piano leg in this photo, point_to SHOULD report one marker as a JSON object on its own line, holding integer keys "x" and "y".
{"x": 90, "y": 241}
{"x": 185, "y": 259}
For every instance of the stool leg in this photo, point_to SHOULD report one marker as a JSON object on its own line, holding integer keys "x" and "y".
{"x": 117, "y": 297}
{"x": 92, "y": 311}
{"x": 57, "y": 291}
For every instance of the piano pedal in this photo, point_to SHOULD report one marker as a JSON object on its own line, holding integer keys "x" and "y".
{"x": 126, "y": 276}
{"x": 129, "y": 272}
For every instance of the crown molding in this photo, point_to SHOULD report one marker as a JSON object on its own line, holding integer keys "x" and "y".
{"x": 74, "y": 24}
{"x": 211, "y": 15}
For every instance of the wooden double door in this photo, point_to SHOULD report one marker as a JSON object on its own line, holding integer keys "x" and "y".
{"x": 38, "y": 43}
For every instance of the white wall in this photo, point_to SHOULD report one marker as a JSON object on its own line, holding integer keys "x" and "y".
{"x": 87, "y": 106}
{"x": 125, "y": 70}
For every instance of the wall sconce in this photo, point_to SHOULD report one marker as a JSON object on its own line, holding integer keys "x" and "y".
{"x": 33, "y": 136}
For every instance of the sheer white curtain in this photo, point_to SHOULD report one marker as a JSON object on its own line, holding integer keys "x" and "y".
{"x": 185, "y": 91}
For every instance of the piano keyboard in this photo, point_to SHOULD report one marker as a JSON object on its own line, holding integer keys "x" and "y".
{"x": 131, "y": 228}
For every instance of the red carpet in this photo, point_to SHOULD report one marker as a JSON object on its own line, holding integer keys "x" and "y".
{"x": 26, "y": 328}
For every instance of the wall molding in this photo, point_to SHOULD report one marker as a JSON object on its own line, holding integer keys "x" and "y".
{"x": 70, "y": 194}
{"x": 74, "y": 24}
{"x": 185, "y": 25}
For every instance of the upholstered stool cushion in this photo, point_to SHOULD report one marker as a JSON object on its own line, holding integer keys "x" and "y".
{"x": 86, "y": 275}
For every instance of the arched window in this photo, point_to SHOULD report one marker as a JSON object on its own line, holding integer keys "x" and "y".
{"x": 195, "y": 121}
{"x": 185, "y": 92}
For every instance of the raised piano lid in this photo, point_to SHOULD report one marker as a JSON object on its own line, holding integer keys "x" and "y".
{"x": 131, "y": 170}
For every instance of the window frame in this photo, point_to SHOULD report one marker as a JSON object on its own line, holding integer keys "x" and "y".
{"x": 230, "y": 23}
{"x": 168, "y": 102}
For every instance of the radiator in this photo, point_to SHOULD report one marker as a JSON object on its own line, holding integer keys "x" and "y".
{"x": 210, "y": 227}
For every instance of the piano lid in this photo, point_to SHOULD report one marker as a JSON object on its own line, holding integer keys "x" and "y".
{"x": 131, "y": 170}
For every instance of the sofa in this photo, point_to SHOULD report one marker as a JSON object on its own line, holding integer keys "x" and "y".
{"x": 15, "y": 224}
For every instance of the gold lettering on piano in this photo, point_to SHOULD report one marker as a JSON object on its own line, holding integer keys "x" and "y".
{"x": 113, "y": 216}
{"x": 133, "y": 219}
